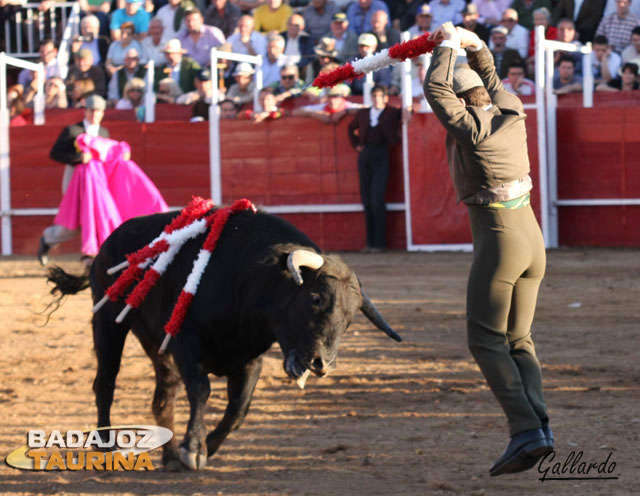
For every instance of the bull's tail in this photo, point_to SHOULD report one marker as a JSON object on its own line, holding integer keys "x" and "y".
{"x": 66, "y": 284}
{"x": 63, "y": 284}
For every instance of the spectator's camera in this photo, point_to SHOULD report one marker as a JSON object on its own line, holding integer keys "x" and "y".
{"x": 79, "y": 38}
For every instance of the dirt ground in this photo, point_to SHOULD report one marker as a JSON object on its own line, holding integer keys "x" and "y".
{"x": 393, "y": 419}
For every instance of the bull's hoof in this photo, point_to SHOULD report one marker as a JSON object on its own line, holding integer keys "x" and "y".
{"x": 191, "y": 460}
{"x": 174, "y": 465}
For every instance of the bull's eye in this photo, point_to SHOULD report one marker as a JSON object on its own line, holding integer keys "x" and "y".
{"x": 315, "y": 299}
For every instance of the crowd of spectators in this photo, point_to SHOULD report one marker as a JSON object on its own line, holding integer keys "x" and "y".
{"x": 118, "y": 38}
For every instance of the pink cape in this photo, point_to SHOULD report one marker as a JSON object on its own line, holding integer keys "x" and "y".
{"x": 105, "y": 192}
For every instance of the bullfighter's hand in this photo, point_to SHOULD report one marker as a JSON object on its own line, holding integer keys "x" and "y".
{"x": 126, "y": 156}
{"x": 468, "y": 38}
{"x": 86, "y": 156}
{"x": 446, "y": 31}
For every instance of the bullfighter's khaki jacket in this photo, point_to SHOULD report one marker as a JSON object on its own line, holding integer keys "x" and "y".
{"x": 486, "y": 148}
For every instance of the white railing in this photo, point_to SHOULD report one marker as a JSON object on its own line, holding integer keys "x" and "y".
{"x": 149, "y": 94}
{"x": 5, "y": 177}
{"x": 215, "y": 175}
{"x": 30, "y": 20}
{"x": 548, "y": 135}
{"x": 71, "y": 29}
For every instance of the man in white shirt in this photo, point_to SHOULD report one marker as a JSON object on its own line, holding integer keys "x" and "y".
{"x": 446, "y": 10}
{"x": 246, "y": 40}
{"x": 48, "y": 54}
{"x": 632, "y": 52}
{"x": 606, "y": 62}
{"x": 274, "y": 60}
{"x": 518, "y": 36}
{"x": 152, "y": 44}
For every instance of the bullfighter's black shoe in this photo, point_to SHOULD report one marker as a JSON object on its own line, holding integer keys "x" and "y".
{"x": 522, "y": 453}
{"x": 43, "y": 249}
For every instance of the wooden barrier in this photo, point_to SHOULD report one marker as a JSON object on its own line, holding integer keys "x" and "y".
{"x": 297, "y": 161}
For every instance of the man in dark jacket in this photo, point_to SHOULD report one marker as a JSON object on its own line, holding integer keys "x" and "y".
{"x": 489, "y": 166}
{"x": 587, "y": 19}
{"x": 503, "y": 57}
{"x": 224, "y": 15}
{"x": 64, "y": 150}
{"x": 298, "y": 44}
{"x": 371, "y": 132}
{"x": 384, "y": 33}
{"x": 84, "y": 68}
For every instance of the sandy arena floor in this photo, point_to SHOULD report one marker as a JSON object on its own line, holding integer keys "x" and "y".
{"x": 394, "y": 419}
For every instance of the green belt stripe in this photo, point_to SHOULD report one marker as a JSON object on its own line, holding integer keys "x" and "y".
{"x": 520, "y": 202}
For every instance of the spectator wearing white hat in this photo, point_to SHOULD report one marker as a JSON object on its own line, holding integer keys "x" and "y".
{"x": 242, "y": 91}
{"x": 367, "y": 45}
{"x": 132, "y": 12}
{"x": 183, "y": 70}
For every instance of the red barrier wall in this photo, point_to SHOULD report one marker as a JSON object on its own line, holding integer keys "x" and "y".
{"x": 298, "y": 161}
{"x": 289, "y": 162}
{"x": 599, "y": 158}
{"x": 435, "y": 217}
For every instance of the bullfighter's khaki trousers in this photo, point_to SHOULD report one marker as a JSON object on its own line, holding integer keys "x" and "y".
{"x": 508, "y": 265}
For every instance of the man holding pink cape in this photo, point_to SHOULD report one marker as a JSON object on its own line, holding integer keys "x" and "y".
{"x": 105, "y": 187}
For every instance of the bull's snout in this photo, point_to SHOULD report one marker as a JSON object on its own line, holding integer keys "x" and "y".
{"x": 319, "y": 367}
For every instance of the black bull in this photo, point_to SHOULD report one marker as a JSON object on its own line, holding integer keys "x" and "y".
{"x": 265, "y": 282}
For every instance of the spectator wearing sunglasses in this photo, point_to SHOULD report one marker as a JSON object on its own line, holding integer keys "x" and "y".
{"x": 289, "y": 85}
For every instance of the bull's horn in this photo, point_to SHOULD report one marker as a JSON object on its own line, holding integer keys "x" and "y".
{"x": 369, "y": 309}
{"x": 303, "y": 258}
